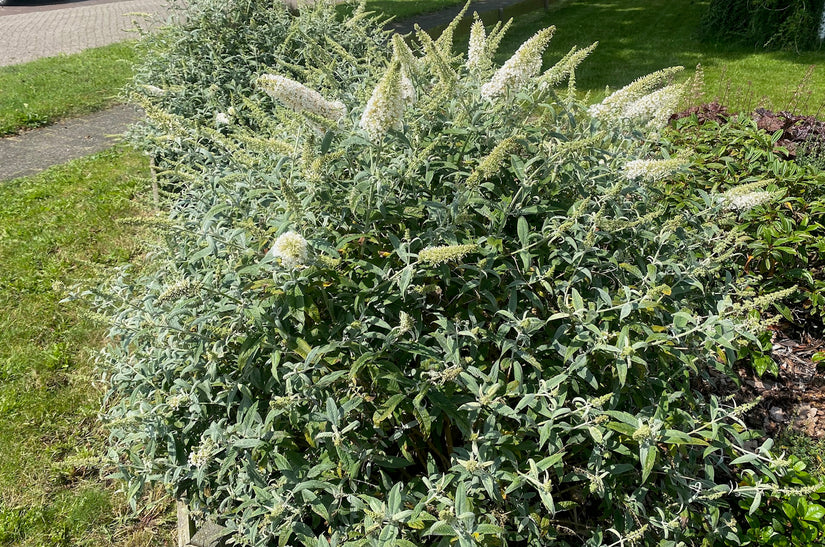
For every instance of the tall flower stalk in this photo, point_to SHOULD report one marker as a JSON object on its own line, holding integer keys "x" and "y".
{"x": 520, "y": 68}
{"x": 385, "y": 108}
{"x": 477, "y": 57}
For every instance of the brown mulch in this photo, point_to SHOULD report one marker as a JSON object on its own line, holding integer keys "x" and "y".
{"x": 794, "y": 398}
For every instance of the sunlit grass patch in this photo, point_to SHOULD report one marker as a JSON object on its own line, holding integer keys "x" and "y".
{"x": 43, "y": 91}
{"x": 636, "y": 38}
{"x": 58, "y": 230}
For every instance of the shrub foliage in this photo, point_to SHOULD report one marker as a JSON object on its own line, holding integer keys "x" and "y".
{"x": 458, "y": 310}
{"x": 770, "y": 24}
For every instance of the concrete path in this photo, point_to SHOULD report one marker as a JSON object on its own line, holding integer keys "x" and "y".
{"x": 28, "y": 32}
{"x": 47, "y": 31}
{"x": 33, "y": 151}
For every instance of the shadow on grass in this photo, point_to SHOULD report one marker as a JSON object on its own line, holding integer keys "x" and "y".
{"x": 639, "y": 37}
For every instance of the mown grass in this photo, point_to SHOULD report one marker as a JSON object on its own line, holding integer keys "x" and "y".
{"x": 636, "y": 38}
{"x": 58, "y": 230}
{"x": 43, "y": 91}
{"x": 407, "y": 8}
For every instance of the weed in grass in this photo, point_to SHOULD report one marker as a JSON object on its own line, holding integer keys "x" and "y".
{"x": 43, "y": 91}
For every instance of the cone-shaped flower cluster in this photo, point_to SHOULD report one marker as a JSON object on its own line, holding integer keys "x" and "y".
{"x": 655, "y": 108}
{"x": 300, "y": 98}
{"x": 477, "y": 50}
{"x": 385, "y": 109}
{"x": 745, "y": 202}
{"x": 445, "y": 253}
{"x": 616, "y": 106}
{"x": 652, "y": 170}
{"x": 154, "y": 90}
{"x": 566, "y": 66}
{"x": 291, "y": 248}
{"x": 520, "y": 68}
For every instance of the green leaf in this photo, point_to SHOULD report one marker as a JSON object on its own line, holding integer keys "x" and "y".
{"x": 814, "y": 512}
{"x": 421, "y": 414}
{"x": 763, "y": 363}
{"x": 394, "y": 499}
{"x": 681, "y": 319}
{"x": 523, "y": 231}
{"x": 757, "y": 499}
{"x": 624, "y": 429}
{"x": 746, "y": 458}
{"x": 461, "y": 505}
{"x": 325, "y": 144}
{"x": 441, "y": 528}
{"x": 647, "y": 455}
{"x": 488, "y": 529}
{"x": 674, "y": 436}
{"x": 247, "y": 443}
{"x": 405, "y": 278}
{"x": 625, "y": 311}
{"x": 621, "y": 370}
{"x": 388, "y": 534}
{"x": 389, "y": 407}
{"x": 578, "y": 302}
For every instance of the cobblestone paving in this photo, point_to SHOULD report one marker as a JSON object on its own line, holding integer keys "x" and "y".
{"x": 49, "y": 32}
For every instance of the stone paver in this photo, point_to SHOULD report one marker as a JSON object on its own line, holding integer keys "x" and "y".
{"x": 50, "y": 32}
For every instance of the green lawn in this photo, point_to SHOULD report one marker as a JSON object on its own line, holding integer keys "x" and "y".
{"x": 636, "y": 38}
{"x": 43, "y": 91}
{"x": 407, "y": 8}
{"x": 58, "y": 229}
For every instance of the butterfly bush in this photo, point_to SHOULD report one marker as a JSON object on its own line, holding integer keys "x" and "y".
{"x": 291, "y": 249}
{"x": 652, "y": 170}
{"x": 520, "y": 68}
{"x": 385, "y": 108}
{"x": 504, "y": 334}
{"x": 640, "y": 99}
{"x": 476, "y": 51}
{"x": 300, "y": 98}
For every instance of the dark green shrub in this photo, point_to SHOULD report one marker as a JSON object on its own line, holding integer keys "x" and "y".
{"x": 463, "y": 312}
{"x": 771, "y": 24}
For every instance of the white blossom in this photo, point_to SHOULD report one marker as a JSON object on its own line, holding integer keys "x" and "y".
{"x": 654, "y": 109}
{"x": 177, "y": 401}
{"x": 652, "y": 170}
{"x": 615, "y": 106}
{"x": 221, "y": 118}
{"x": 154, "y": 90}
{"x": 300, "y": 98}
{"x": 745, "y": 202}
{"x": 408, "y": 94}
{"x": 523, "y": 65}
{"x": 291, "y": 248}
{"x": 476, "y": 52}
{"x": 385, "y": 108}
{"x": 201, "y": 457}
{"x": 445, "y": 253}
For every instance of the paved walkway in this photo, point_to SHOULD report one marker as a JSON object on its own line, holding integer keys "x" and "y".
{"x": 28, "y": 32}
{"x": 45, "y": 31}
